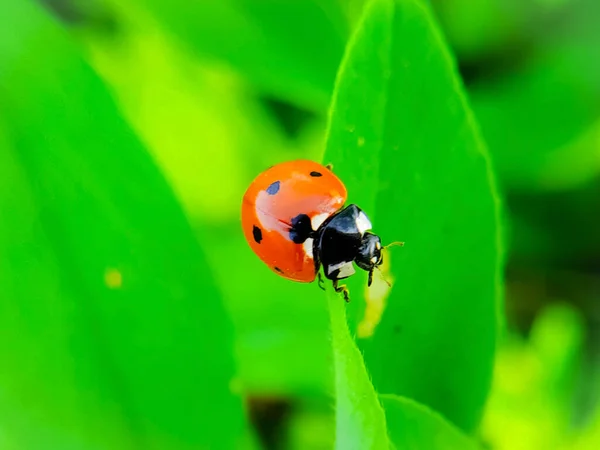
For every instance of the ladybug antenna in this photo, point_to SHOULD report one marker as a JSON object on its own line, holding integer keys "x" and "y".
{"x": 394, "y": 244}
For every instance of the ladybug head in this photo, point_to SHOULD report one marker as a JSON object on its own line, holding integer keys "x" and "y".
{"x": 369, "y": 254}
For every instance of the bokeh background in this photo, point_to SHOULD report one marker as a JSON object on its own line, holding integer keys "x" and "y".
{"x": 216, "y": 91}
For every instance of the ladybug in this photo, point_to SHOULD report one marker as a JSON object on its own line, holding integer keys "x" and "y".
{"x": 294, "y": 219}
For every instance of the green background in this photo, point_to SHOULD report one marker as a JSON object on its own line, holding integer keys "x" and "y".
{"x": 133, "y": 315}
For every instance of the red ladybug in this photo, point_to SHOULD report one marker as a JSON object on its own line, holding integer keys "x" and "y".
{"x": 294, "y": 219}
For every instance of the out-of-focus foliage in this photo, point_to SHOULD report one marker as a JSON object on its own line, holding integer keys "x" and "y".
{"x": 134, "y": 315}
{"x": 533, "y": 402}
{"x": 102, "y": 301}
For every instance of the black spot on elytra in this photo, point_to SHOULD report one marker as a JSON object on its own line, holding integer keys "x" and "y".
{"x": 257, "y": 233}
{"x": 316, "y": 174}
{"x": 277, "y": 269}
{"x": 301, "y": 229}
{"x": 273, "y": 188}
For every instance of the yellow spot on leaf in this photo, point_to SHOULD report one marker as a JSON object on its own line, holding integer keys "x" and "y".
{"x": 376, "y": 298}
{"x": 360, "y": 141}
{"x": 113, "y": 278}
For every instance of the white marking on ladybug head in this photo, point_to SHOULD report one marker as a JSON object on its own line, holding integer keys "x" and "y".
{"x": 363, "y": 223}
{"x": 308, "y": 248}
{"x": 374, "y": 259}
{"x": 378, "y": 245}
{"x": 318, "y": 220}
{"x": 345, "y": 269}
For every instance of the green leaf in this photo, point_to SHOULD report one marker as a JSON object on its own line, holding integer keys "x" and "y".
{"x": 366, "y": 420}
{"x": 359, "y": 417}
{"x": 289, "y": 49}
{"x": 113, "y": 332}
{"x": 414, "y": 427}
{"x": 403, "y": 139}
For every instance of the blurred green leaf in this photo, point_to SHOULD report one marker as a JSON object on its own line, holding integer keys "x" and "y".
{"x": 312, "y": 426}
{"x": 282, "y": 327}
{"x": 188, "y": 129}
{"x": 113, "y": 332}
{"x": 404, "y": 141}
{"x": 536, "y": 118}
{"x": 542, "y": 221}
{"x": 478, "y": 29}
{"x": 290, "y": 49}
{"x": 281, "y": 338}
{"x": 414, "y": 427}
{"x": 589, "y": 436}
{"x": 534, "y": 128}
{"x": 536, "y": 401}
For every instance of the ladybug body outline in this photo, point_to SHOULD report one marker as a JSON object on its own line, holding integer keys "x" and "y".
{"x": 295, "y": 220}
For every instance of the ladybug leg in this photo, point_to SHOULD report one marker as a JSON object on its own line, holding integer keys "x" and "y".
{"x": 321, "y": 281}
{"x": 329, "y": 166}
{"x": 370, "y": 278}
{"x": 342, "y": 289}
{"x": 383, "y": 277}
